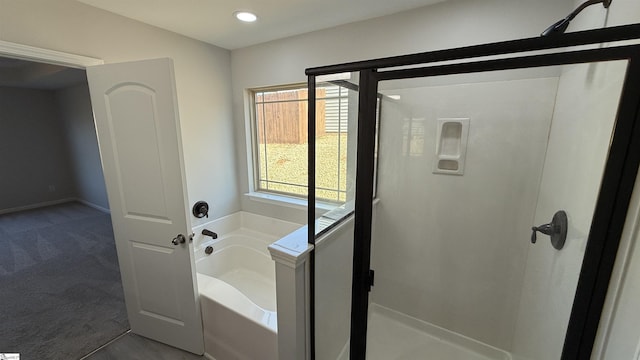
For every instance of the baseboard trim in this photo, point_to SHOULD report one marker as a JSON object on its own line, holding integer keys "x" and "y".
{"x": 92, "y": 205}
{"x": 37, "y": 205}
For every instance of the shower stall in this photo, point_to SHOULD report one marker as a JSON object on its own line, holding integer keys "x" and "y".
{"x": 485, "y": 194}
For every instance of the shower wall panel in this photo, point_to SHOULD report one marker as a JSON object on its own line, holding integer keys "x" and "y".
{"x": 451, "y": 250}
{"x": 583, "y": 120}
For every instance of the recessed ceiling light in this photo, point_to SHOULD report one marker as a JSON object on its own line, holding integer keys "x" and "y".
{"x": 245, "y": 16}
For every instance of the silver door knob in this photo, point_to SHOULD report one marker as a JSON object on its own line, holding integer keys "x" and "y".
{"x": 180, "y": 239}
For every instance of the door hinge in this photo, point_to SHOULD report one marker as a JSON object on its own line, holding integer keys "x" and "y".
{"x": 371, "y": 278}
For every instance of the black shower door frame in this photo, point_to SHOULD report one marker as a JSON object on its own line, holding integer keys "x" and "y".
{"x": 616, "y": 186}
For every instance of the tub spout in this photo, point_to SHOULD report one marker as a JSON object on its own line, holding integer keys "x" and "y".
{"x": 207, "y": 232}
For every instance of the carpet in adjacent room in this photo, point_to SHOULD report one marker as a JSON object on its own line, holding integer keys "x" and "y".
{"x": 61, "y": 295}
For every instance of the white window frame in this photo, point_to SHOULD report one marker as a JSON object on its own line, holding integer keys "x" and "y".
{"x": 253, "y": 158}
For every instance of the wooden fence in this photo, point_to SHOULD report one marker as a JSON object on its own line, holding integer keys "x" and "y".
{"x": 283, "y": 117}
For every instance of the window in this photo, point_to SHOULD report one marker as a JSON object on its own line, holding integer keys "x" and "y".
{"x": 280, "y": 141}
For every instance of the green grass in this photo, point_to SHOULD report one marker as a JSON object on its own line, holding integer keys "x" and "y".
{"x": 287, "y": 163}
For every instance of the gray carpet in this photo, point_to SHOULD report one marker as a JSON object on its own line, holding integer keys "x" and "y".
{"x": 60, "y": 291}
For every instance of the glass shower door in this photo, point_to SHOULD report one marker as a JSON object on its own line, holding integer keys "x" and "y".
{"x": 468, "y": 166}
{"x": 335, "y": 163}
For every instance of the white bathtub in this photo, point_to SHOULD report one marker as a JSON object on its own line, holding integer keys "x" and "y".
{"x": 237, "y": 286}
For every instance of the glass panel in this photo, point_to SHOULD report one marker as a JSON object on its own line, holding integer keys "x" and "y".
{"x": 467, "y": 166}
{"x": 336, "y": 140}
{"x": 337, "y": 111}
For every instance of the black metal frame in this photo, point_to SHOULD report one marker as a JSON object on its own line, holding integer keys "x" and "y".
{"x": 311, "y": 206}
{"x": 616, "y": 186}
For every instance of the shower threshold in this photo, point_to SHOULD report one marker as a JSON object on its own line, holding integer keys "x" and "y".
{"x": 396, "y": 336}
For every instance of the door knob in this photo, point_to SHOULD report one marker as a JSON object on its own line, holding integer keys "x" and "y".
{"x": 180, "y": 239}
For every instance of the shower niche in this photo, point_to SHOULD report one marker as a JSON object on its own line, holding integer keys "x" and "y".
{"x": 451, "y": 146}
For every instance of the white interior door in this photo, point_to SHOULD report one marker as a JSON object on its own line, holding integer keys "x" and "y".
{"x": 138, "y": 128}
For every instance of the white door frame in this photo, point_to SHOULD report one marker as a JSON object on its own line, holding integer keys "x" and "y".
{"x": 25, "y": 52}
{"x": 31, "y": 53}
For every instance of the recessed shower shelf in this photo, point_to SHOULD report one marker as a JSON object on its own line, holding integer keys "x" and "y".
{"x": 451, "y": 146}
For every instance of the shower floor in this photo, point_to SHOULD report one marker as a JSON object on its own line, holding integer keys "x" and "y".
{"x": 396, "y": 336}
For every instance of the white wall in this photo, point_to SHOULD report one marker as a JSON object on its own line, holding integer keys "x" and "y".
{"x": 443, "y": 25}
{"x": 578, "y": 147}
{"x": 202, "y": 78}
{"x": 33, "y": 150}
{"x": 455, "y": 246}
{"x": 76, "y": 114}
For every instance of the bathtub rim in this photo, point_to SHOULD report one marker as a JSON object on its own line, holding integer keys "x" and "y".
{"x": 273, "y": 227}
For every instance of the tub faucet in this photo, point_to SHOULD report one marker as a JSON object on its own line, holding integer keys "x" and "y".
{"x": 207, "y": 232}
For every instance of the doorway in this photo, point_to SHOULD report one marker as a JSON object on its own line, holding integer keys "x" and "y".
{"x": 60, "y": 275}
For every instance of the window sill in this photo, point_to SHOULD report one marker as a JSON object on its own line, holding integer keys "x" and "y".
{"x": 288, "y": 201}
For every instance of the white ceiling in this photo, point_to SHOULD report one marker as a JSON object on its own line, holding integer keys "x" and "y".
{"x": 212, "y": 21}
